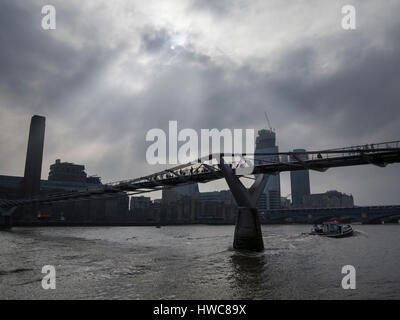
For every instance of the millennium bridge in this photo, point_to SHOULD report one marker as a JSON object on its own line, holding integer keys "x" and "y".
{"x": 231, "y": 167}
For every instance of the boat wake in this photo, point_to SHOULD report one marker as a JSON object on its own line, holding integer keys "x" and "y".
{"x": 359, "y": 233}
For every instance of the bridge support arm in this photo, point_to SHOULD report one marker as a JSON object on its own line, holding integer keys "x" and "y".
{"x": 248, "y": 235}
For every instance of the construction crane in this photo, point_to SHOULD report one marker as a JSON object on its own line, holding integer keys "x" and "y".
{"x": 269, "y": 124}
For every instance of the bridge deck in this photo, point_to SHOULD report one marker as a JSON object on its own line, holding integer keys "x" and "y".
{"x": 201, "y": 173}
{"x": 208, "y": 170}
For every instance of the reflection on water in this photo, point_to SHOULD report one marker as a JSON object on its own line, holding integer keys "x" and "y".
{"x": 197, "y": 262}
{"x": 249, "y": 272}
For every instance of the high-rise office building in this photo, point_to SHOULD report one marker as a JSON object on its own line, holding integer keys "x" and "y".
{"x": 140, "y": 202}
{"x": 65, "y": 171}
{"x": 223, "y": 196}
{"x": 34, "y": 157}
{"x": 299, "y": 180}
{"x": 174, "y": 194}
{"x": 187, "y": 189}
{"x": 329, "y": 199}
{"x": 266, "y": 143}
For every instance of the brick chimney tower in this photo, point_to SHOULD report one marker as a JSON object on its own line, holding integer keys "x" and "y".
{"x": 34, "y": 157}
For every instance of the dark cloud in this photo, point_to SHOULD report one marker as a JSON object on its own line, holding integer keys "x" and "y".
{"x": 363, "y": 89}
{"x": 155, "y": 40}
{"x": 220, "y": 7}
{"x": 38, "y": 71}
{"x": 324, "y": 91}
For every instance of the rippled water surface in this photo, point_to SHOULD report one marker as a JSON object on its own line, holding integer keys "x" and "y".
{"x": 197, "y": 262}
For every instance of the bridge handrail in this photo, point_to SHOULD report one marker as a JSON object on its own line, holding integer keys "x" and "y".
{"x": 319, "y": 154}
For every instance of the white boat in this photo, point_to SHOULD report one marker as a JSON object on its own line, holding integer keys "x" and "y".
{"x": 332, "y": 229}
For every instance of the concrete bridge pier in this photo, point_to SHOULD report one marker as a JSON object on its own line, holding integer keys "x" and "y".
{"x": 7, "y": 222}
{"x": 364, "y": 218}
{"x": 6, "y": 218}
{"x": 248, "y": 234}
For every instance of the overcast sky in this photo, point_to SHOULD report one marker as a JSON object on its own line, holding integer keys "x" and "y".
{"x": 112, "y": 70}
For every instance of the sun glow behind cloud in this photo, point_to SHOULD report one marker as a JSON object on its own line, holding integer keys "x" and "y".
{"x": 113, "y": 70}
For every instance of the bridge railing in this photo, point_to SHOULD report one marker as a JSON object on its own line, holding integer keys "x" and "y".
{"x": 287, "y": 157}
{"x": 209, "y": 165}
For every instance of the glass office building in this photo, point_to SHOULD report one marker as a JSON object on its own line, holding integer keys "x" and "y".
{"x": 271, "y": 197}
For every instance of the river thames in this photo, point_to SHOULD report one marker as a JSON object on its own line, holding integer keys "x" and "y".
{"x": 197, "y": 262}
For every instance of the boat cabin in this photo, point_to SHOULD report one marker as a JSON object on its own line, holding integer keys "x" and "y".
{"x": 331, "y": 227}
